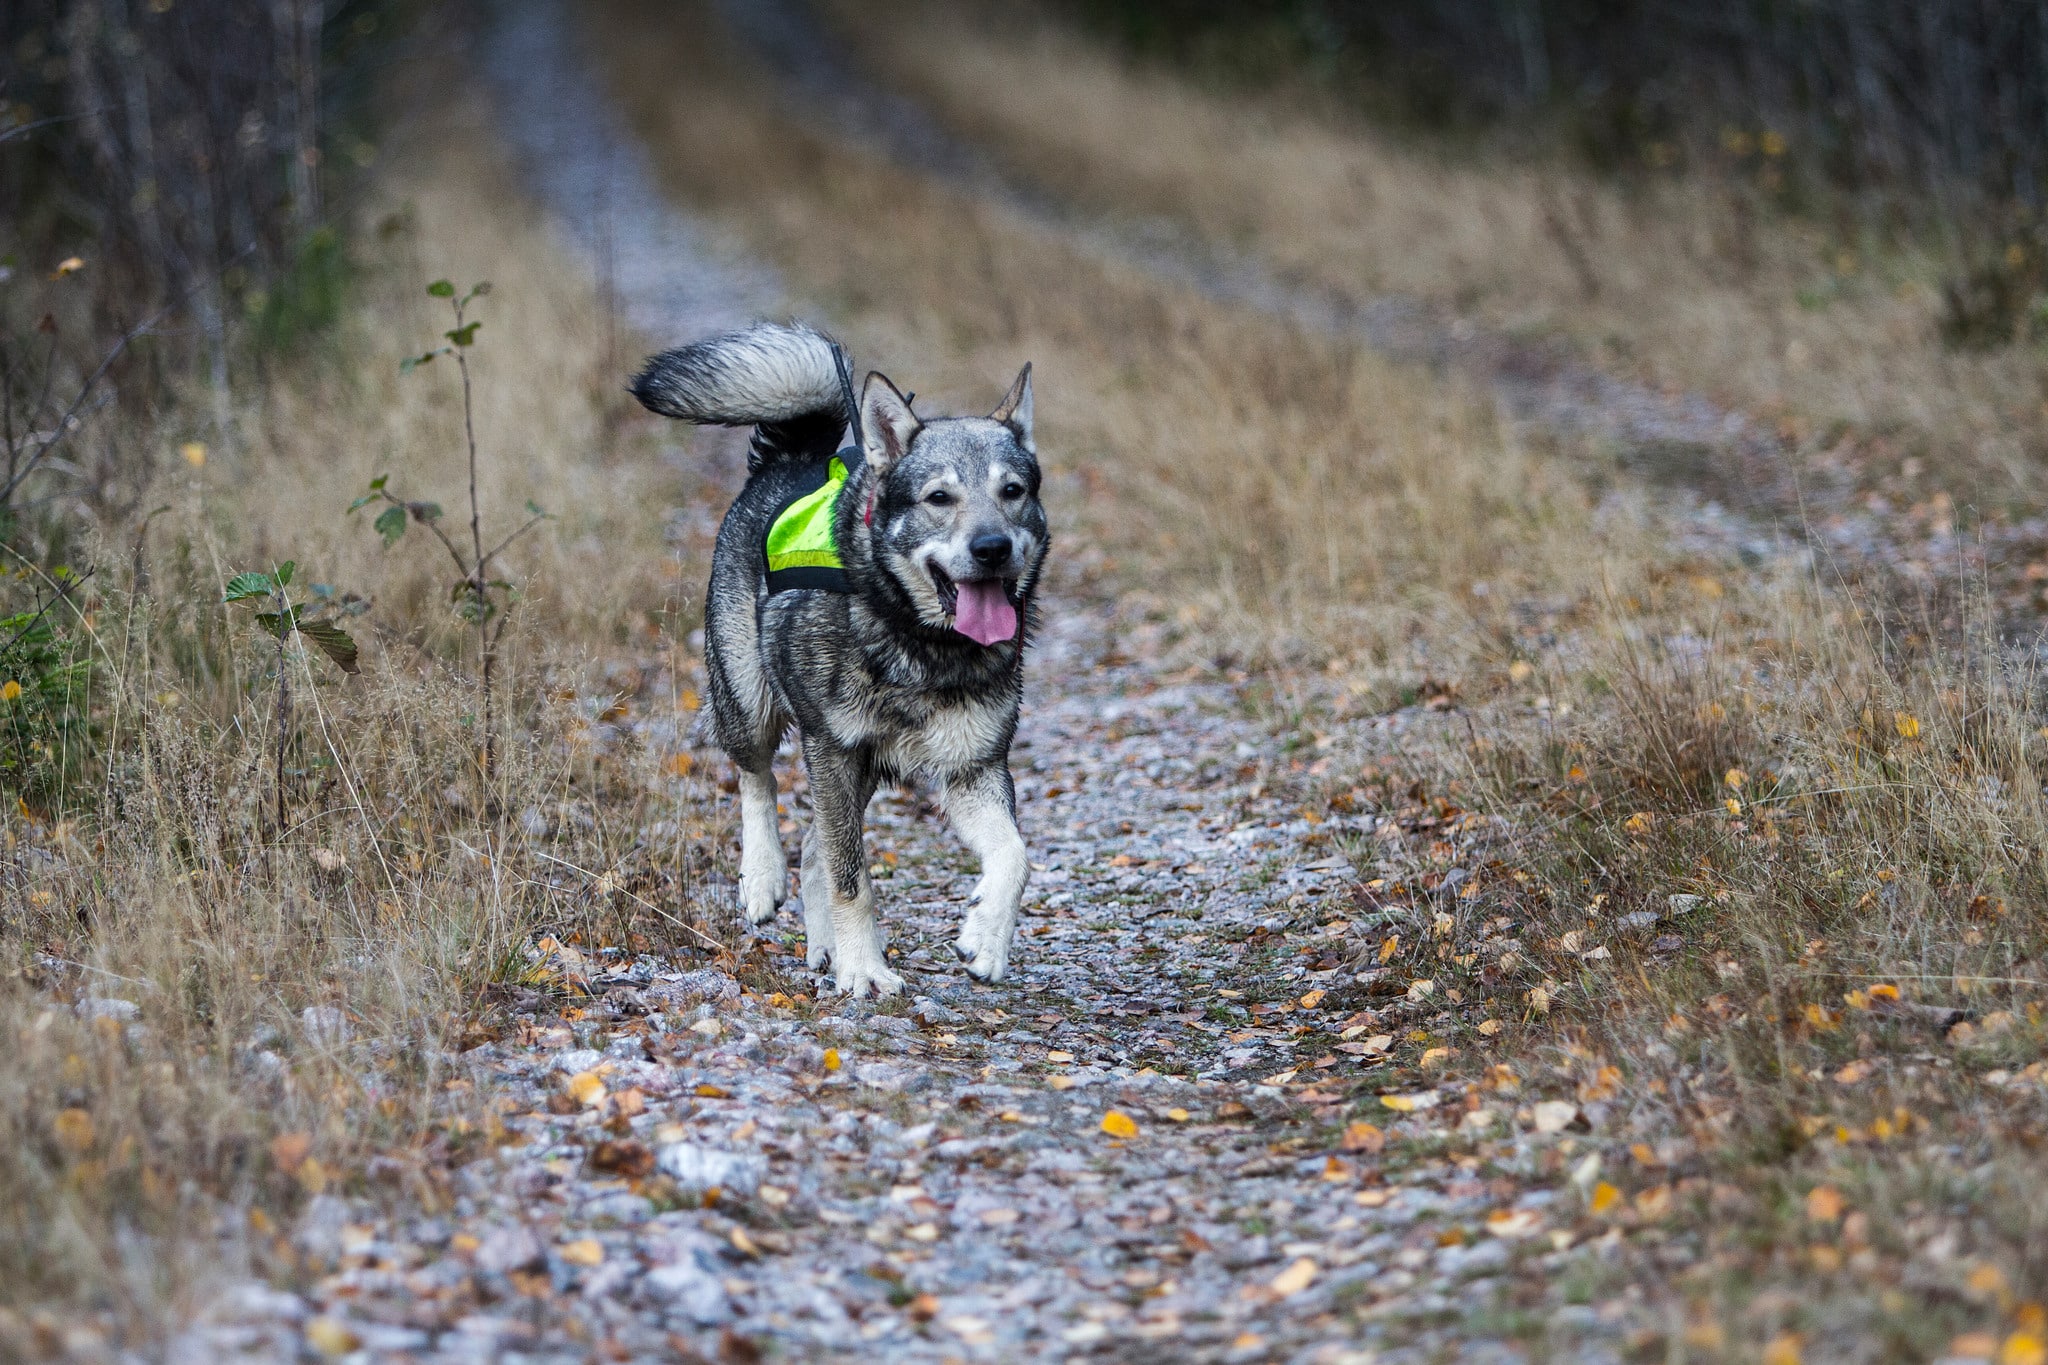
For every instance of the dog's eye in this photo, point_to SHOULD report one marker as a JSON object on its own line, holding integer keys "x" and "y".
{"x": 938, "y": 497}
{"x": 1013, "y": 490}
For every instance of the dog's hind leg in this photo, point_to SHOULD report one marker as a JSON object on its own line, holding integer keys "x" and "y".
{"x": 983, "y": 807}
{"x": 819, "y": 937}
{"x": 841, "y": 784}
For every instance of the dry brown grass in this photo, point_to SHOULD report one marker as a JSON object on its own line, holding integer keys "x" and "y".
{"x": 1700, "y": 282}
{"x": 142, "y": 1172}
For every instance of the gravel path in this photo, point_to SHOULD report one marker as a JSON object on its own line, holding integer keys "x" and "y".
{"x": 1163, "y": 1135}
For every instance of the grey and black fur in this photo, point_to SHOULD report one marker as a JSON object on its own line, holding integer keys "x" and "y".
{"x": 876, "y": 680}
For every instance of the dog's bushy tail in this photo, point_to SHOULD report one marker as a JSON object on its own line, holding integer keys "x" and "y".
{"x": 782, "y": 379}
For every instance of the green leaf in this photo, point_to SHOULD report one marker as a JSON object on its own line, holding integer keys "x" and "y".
{"x": 464, "y": 335}
{"x": 535, "y": 508}
{"x": 441, "y": 289}
{"x": 360, "y": 503}
{"x": 245, "y": 585}
{"x": 377, "y": 484}
{"x": 390, "y": 524}
{"x": 283, "y": 573}
{"x": 424, "y": 511}
{"x": 336, "y": 643}
{"x": 413, "y": 362}
{"x": 479, "y": 289}
{"x": 279, "y": 624}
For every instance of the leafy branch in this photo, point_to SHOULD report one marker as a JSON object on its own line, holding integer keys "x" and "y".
{"x": 480, "y": 600}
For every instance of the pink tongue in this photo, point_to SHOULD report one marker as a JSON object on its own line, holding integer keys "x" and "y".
{"x": 984, "y": 614}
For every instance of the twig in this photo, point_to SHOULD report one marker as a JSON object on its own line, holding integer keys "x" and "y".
{"x": 687, "y": 928}
{"x": 63, "y": 590}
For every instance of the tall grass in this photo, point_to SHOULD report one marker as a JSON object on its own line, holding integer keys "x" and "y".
{"x": 169, "y": 1101}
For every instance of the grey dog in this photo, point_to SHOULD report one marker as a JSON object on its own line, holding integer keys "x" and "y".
{"x": 894, "y": 637}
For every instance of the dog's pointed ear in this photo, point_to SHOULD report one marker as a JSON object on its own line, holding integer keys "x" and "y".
{"x": 886, "y": 423}
{"x": 1014, "y": 411}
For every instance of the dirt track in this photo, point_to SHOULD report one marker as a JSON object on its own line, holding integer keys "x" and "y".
{"x": 1173, "y": 1133}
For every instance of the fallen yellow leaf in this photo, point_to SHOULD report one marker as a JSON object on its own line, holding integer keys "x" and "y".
{"x": 1360, "y": 1136}
{"x": 690, "y": 701}
{"x": 1059, "y": 1056}
{"x": 1178, "y": 1115}
{"x": 1118, "y": 1124}
{"x": 10, "y": 690}
{"x": 1907, "y": 725}
{"x": 1488, "y": 1027}
{"x": 586, "y": 1088}
{"x": 1783, "y": 1350}
{"x": 1986, "y": 1281}
{"x": 194, "y": 453}
{"x": 1390, "y": 946}
{"x": 1824, "y": 1203}
{"x": 1297, "y": 1277}
{"x": 1605, "y": 1197}
{"x": 832, "y": 1059}
{"x": 312, "y": 1175}
{"x": 1060, "y": 1082}
{"x": 1736, "y": 778}
{"x": 682, "y": 764}
{"x": 712, "y": 1092}
{"x": 1312, "y": 999}
{"x": 1853, "y": 1073}
{"x": 1973, "y": 1346}
{"x": 1639, "y": 823}
{"x": 74, "y": 1128}
{"x": 2023, "y": 1348}
{"x": 330, "y": 1338}
{"x": 584, "y": 1251}
{"x": 70, "y": 265}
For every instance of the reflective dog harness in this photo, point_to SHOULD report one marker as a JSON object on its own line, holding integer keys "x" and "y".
{"x": 802, "y": 547}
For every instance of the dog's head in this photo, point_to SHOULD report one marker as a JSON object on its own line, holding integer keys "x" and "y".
{"x": 956, "y": 521}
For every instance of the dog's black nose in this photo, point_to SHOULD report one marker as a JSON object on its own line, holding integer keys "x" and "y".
{"x": 990, "y": 551}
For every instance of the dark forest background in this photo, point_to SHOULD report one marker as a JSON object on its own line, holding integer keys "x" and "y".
{"x": 1899, "y": 96}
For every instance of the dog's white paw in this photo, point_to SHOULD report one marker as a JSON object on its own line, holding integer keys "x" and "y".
{"x": 855, "y": 981}
{"x": 984, "y": 942}
{"x": 992, "y": 962}
{"x": 763, "y": 883}
{"x": 819, "y": 938}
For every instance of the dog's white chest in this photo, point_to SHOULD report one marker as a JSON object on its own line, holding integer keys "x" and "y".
{"x": 950, "y": 739}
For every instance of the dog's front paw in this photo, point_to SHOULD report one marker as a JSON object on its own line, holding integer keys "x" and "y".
{"x": 991, "y": 964}
{"x": 984, "y": 943}
{"x": 761, "y": 892}
{"x": 855, "y": 981}
{"x": 819, "y": 940}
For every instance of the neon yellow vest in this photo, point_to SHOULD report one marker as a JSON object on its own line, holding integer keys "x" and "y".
{"x": 801, "y": 548}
